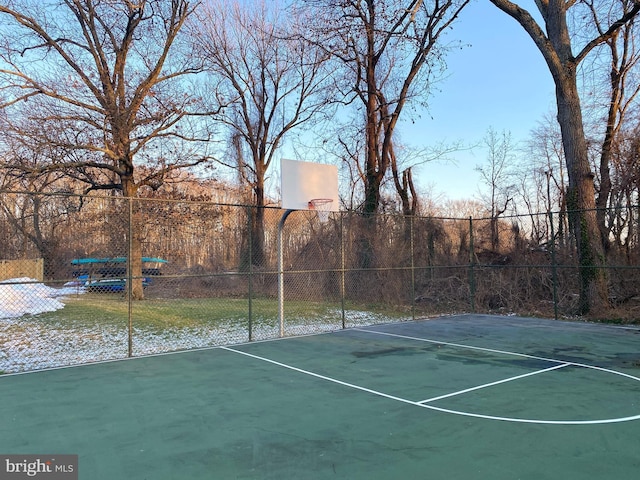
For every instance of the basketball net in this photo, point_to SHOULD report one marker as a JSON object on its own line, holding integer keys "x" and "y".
{"x": 322, "y": 206}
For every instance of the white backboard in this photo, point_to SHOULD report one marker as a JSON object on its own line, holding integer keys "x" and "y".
{"x": 301, "y": 182}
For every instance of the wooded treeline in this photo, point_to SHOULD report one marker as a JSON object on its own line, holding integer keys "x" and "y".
{"x": 422, "y": 265}
{"x": 130, "y": 97}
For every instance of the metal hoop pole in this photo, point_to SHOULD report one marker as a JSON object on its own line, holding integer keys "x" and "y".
{"x": 281, "y": 272}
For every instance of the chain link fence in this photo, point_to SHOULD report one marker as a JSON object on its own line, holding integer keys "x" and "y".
{"x": 129, "y": 277}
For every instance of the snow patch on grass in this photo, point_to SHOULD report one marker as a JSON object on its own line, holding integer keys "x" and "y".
{"x": 27, "y": 343}
{"x": 25, "y": 296}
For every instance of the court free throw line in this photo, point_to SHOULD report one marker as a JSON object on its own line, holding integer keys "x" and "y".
{"x": 479, "y": 387}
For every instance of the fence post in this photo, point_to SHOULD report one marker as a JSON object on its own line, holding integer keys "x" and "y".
{"x": 130, "y": 279}
{"x": 250, "y": 257}
{"x": 554, "y": 267}
{"x": 472, "y": 260}
{"x": 413, "y": 269}
{"x": 342, "y": 272}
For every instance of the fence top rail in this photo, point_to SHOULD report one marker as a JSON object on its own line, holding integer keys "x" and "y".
{"x": 276, "y": 206}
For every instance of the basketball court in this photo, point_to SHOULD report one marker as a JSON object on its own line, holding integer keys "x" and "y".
{"x": 456, "y": 397}
{"x": 459, "y": 397}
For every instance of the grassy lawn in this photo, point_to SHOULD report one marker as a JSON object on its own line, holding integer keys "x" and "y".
{"x": 91, "y": 309}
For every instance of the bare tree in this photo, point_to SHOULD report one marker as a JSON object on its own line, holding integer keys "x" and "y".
{"x": 389, "y": 51}
{"x": 272, "y": 81}
{"x": 622, "y": 91}
{"x": 546, "y": 171}
{"x": 555, "y": 43}
{"x": 623, "y": 220}
{"x": 386, "y": 54}
{"x": 96, "y": 81}
{"x": 496, "y": 174}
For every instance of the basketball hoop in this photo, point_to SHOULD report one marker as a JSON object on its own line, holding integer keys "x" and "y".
{"x": 322, "y": 206}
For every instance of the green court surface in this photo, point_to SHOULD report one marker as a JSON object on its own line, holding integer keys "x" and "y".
{"x": 460, "y": 397}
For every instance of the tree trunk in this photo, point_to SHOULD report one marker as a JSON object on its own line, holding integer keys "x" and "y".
{"x": 134, "y": 239}
{"x": 374, "y": 172}
{"x": 581, "y": 196}
{"x": 605, "y": 176}
{"x": 557, "y": 50}
{"x": 257, "y": 223}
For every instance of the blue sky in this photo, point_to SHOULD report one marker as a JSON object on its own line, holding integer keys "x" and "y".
{"x": 499, "y": 81}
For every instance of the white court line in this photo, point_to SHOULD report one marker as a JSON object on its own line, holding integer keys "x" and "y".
{"x": 503, "y": 352}
{"x": 432, "y": 407}
{"x": 466, "y": 390}
{"x": 460, "y": 345}
{"x": 317, "y": 375}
